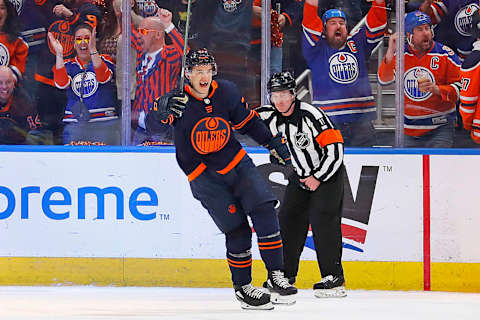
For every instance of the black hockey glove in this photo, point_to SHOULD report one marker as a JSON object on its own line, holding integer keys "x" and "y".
{"x": 279, "y": 153}
{"x": 169, "y": 104}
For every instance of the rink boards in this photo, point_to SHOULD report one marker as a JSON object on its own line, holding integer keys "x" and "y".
{"x": 125, "y": 216}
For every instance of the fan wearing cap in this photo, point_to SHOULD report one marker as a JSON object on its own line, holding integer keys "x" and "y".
{"x": 470, "y": 75}
{"x": 431, "y": 84}
{"x": 314, "y": 194}
{"x": 338, "y": 61}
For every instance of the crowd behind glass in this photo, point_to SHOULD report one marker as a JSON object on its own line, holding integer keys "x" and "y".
{"x": 62, "y": 75}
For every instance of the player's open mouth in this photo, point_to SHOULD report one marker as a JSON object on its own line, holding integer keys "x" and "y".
{"x": 203, "y": 84}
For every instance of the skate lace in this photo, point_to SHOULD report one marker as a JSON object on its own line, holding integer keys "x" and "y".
{"x": 327, "y": 278}
{"x": 252, "y": 292}
{"x": 280, "y": 280}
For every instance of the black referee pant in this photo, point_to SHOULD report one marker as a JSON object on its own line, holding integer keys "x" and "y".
{"x": 322, "y": 209}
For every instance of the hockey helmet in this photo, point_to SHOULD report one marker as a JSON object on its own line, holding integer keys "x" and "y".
{"x": 200, "y": 57}
{"x": 281, "y": 81}
{"x": 415, "y": 19}
{"x": 333, "y": 13}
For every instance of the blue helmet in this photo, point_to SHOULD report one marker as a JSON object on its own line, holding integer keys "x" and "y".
{"x": 416, "y": 19}
{"x": 333, "y": 13}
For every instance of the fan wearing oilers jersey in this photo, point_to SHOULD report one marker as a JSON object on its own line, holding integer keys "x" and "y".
{"x": 470, "y": 75}
{"x": 338, "y": 61}
{"x": 431, "y": 84}
{"x": 453, "y": 20}
{"x": 314, "y": 194}
{"x": 90, "y": 114}
{"x": 223, "y": 177}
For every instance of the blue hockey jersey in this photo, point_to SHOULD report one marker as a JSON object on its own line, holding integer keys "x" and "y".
{"x": 98, "y": 91}
{"x": 454, "y": 20}
{"x": 340, "y": 77}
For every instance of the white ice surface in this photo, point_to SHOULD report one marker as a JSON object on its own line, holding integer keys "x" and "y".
{"x": 67, "y": 303}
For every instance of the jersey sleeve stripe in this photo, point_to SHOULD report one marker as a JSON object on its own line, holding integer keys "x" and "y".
{"x": 197, "y": 172}
{"x": 244, "y": 122}
{"x": 464, "y": 98}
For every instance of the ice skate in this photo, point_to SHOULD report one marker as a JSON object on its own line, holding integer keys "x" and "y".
{"x": 330, "y": 287}
{"x": 281, "y": 291}
{"x": 252, "y": 298}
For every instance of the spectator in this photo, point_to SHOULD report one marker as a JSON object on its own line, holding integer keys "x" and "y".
{"x": 17, "y": 112}
{"x": 453, "y": 23}
{"x": 13, "y": 50}
{"x": 61, "y": 21}
{"x": 470, "y": 75}
{"x": 339, "y": 68}
{"x": 431, "y": 81}
{"x": 90, "y": 113}
{"x": 314, "y": 194}
{"x": 158, "y": 71}
{"x": 200, "y": 19}
{"x": 453, "y": 28}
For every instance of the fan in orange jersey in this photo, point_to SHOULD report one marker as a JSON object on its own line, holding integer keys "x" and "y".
{"x": 13, "y": 50}
{"x": 431, "y": 84}
{"x": 470, "y": 75}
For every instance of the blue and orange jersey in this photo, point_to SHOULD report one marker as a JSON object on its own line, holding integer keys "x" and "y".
{"x": 340, "y": 77}
{"x": 454, "y": 21}
{"x": 163, "y": 76}
{"x": 425, "y": 111}
{"x": 13, "y": 55}
{"x": 98, "y": 90}
{"x": 469, "y": 108}
{"x": 204, "y": 136}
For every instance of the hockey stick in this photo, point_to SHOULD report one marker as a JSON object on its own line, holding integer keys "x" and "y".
{"x": 185, "y": 46}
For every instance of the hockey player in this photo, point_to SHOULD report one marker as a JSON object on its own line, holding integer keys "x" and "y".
{"x": 314, "y": 193}
{"x": 431, "y": 81}
{"x": 223, "y": 177}
{"x": 470, "y": 75}
{"x": 339, "y": 68}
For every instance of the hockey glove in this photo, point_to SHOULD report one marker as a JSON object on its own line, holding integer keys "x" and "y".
{"x": 169, "y": 104}
{"x": 279, "y": 153}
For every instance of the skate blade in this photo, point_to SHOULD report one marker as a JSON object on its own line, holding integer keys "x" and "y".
{"x": 338, "y": 292}
{"x": 276, "y": 298}
{"x": 266, "y": 306}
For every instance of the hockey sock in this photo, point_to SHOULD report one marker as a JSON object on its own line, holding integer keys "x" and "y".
{"x": 239, "y": 255}
{"x": 265, "y": 223}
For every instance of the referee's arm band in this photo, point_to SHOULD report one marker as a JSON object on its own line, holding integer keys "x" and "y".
{"x": 329, "y": 136}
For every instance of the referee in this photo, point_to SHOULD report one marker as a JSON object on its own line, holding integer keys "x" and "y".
{"x": 314, "y": 194}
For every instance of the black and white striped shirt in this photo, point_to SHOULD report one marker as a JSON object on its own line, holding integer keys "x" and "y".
{"x": 315, "y": 145}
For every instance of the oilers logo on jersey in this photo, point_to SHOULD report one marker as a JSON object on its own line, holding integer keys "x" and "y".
{"x": 147, "y": 8}
{"x": 90, "y": 84}
{"x": 463, "y": 19}
{"x": 301, "y": 140}
{"x": 411, "y": 79}
{"x": 343, "y": 67}
{"x": 4, "y": 55}
{"x": 210, "y": 134}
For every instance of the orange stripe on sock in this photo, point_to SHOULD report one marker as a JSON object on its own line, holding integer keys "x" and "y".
{"x": 267, "y": 243}
{"x": 271, "y": 248}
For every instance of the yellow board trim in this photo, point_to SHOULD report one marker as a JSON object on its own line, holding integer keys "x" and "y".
{"x": 368, "y": 275}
